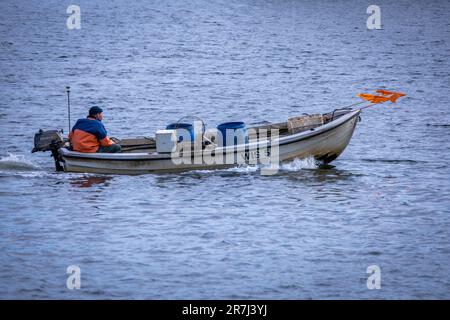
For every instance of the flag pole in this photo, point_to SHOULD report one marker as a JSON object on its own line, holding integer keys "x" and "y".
{"x": 370, "y": 105}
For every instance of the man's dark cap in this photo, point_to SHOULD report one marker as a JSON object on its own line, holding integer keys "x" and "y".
{"x": 95, "y": 110}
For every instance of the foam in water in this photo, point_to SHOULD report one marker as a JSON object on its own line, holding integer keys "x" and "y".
{"x": 14, "y": 162}
{"x": 299, "y": 164}
{"x": 295, "y": 165}
{"x": 239, "y": 169}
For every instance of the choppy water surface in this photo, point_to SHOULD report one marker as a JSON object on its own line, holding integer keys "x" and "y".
{"x": 308, "y": 232}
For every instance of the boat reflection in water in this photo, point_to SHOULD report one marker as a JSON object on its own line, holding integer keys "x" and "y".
{"x": 89, "y": 181}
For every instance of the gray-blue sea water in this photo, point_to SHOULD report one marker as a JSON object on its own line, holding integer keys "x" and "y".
{"x": 307, "y": 232}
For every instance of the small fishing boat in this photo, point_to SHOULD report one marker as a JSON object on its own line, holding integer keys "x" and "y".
{"x": 321, "y": 136}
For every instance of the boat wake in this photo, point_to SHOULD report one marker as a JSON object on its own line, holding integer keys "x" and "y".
{"x": 300, "y": 164}
{"x": 14, "y": 162}
{"x": 292, "y": 166}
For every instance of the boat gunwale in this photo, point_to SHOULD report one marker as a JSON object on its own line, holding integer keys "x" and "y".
{"x": 282, "y": 141}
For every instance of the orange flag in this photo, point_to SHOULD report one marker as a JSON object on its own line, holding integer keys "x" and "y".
{"x": 385, "y": 92}
{"x": 393, "y": 96}
{"x": 373, "y": 98}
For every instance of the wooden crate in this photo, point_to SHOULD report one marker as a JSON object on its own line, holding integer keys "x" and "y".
{"x": 303, "y": 123}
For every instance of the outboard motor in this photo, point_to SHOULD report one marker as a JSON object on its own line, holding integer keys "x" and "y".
{"x": 50, "y": 140}
{"x": 47, "y": 140}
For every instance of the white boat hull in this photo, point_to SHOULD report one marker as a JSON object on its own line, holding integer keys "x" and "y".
{"x": 325, "y": 143}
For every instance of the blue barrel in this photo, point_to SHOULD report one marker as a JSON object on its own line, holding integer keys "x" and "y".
{"x": 186, "y": 126}
{"x": 233, "y": 127}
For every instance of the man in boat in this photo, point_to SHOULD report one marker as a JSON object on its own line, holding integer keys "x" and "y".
{"x": 89, "y": 134}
